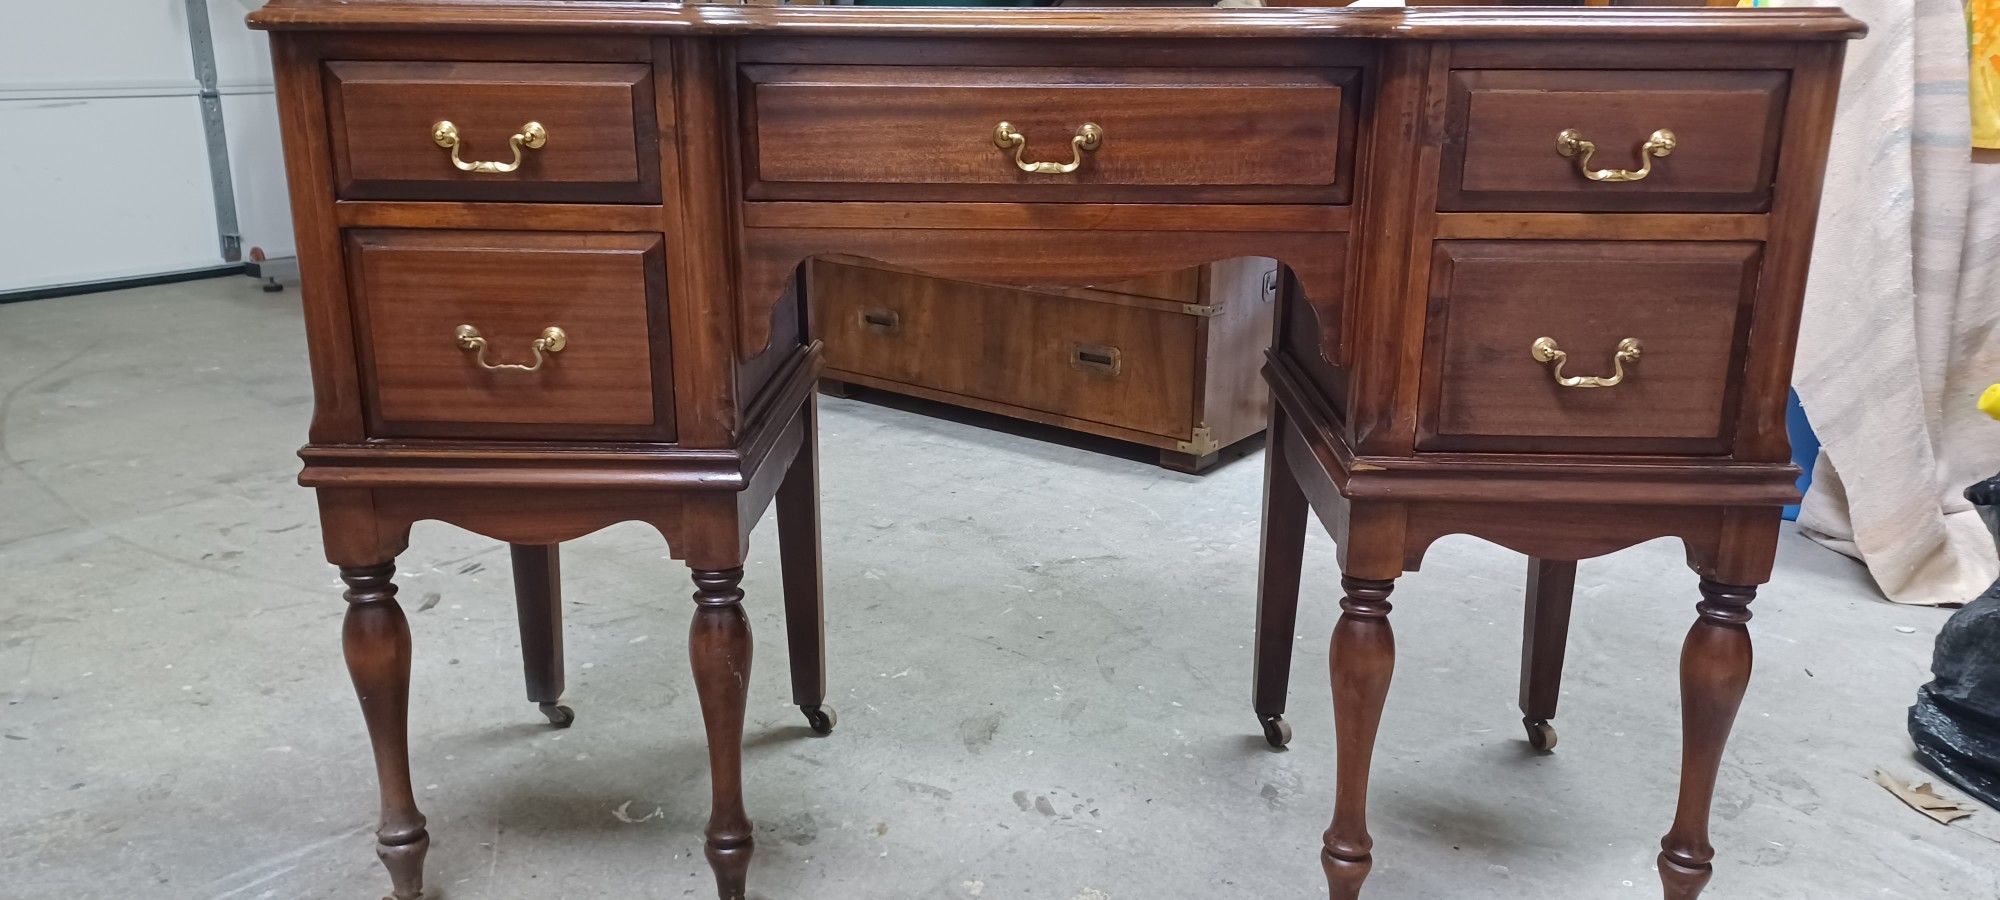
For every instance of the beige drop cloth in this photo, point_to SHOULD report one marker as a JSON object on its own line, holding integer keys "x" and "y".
{"x": 1899, "y": 335}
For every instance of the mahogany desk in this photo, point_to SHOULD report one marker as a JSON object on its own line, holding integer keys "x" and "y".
{"x": 1545, "y": 276}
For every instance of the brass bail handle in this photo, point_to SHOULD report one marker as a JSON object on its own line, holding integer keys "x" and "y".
{"x": 1570, "y": 144}
{"x": 552, "y": 341}
{"x": 1089, "y": 137}
{"x": 532, "y": 136}
{"x": 1545, "y": 351}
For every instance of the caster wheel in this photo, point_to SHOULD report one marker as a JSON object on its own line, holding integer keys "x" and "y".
{"x": 1277, "y": 732}
{"x": 559, "y": 715}
{"x": 1541, "y": 735}
{"x": 821, "y": 718}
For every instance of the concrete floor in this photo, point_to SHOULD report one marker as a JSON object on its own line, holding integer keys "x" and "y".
{"x": 1038, "y": 652}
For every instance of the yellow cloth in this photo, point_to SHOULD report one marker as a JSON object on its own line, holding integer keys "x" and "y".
{"x": 1982, "y": 31}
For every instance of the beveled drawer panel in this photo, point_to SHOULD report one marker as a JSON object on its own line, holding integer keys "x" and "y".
{"x": 1505, "y": 147}
{"x": 1105, "y": 362}
{"x": 1679, "y": 310}
{"x": 606, "y": 376}
{"x": 921, "y": 133}
{"x": 597, "y": 138}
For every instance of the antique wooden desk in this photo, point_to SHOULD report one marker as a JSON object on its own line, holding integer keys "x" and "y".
{"x": 1545, "y": 270}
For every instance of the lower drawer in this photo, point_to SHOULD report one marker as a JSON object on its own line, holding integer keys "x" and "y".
{"x": 512, "y": 334}
{"x": 1127, "y": 366}
{"x": 1586, "y": 346}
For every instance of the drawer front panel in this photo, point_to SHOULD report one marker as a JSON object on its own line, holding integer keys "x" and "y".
{"x": 1118, "y": 365}
{"x": 1502, "y": 149}
{"x": 910, "y": 132}
{"x": 605, "y": 292}
{"x": 1685, "y": 308}
{"x": 598, "y": 143}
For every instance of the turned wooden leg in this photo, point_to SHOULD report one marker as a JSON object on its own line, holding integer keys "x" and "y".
{"x": 799, "y": 563}
{"x": 376, "y": 641}
{"x": 1715, "y": 669}
{"x": 538, "y": 602}
{"x": 1545, "y": 632}
{"x": 1278, "y": 564}
{"x": 1363, "y": 656}
{"x": 719, "y": 648}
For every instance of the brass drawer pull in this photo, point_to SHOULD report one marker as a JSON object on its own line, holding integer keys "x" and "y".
{"x": 1545, "y": 351}
{"x": 1097, "y": 358}
{"x": 1570, "y": 143}
{"x": 881, "y": 321}
{"x": 552, "y": 341}
{"x": 531, "y": 136}
{"x": 1087, "y": 138}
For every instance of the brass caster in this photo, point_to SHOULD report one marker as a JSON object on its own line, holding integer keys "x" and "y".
{"x": 559, "y": 715}
{"x": 1277, "y": 732}
{"x": 821, "y": 718}
{"x": 1541, "y": 735}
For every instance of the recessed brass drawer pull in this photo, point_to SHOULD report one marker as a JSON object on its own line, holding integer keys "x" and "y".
{"x": 1545, "y": 351}
{"x": 1089, "y": 137}
{"x": 531, "y": 136}
{"x": 552, "y": 341}
{"x": 881, "y": 321}
{"x": 1570, "y": 143}
{"x": 1097, "y": 358}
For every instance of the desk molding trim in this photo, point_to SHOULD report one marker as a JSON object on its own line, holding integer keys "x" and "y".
{"x": 1419, "y": 23}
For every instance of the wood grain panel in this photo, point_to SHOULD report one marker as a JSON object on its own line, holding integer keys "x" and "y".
{"x": 1176, "y": 287}
{"x": 602, "y": 141}
{"x": 912, "y": 132}
{"x": 1009, "y": 346}
{"x": 1687, "y": 303}
{"x": 414, "y": 288}
{"x": 1501, "y": 132}
{"x": 1599, "y": 226}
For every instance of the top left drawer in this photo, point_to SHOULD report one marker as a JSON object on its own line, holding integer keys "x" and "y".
{"x": 573, "y": 132}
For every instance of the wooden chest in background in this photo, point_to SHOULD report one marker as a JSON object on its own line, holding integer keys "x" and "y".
{"x": 1169, "y": 361}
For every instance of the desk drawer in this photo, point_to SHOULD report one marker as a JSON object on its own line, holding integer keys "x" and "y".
{"x": 920, "y": 133}
{"x": 593, "y": 122}
{"x": 1682, "y": 309}
{"x": 456, "y": 340}
{"x": 1504, "y": 148}
{"x": 1130, "y": 367}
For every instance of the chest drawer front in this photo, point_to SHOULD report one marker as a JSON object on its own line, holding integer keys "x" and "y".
{"x": 580, "y": 132}
{"x": 917, "y": 133}
{"x": 456, "y": 342}
{"x": 1508, "y": 318}
{"x": 1125, "y": 366}
{"x": 1658, "y": 141}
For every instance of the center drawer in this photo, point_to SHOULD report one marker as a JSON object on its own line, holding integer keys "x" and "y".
{"x": 503, "y": 335}
{"x": 1053, "y": 134}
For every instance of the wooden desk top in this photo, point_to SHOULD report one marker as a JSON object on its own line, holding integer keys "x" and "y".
{"x": 555, "y": 17}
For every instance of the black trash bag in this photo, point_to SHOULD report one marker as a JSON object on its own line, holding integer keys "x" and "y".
{"x": 1956, "y": 720}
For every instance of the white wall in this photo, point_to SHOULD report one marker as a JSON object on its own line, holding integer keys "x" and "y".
{"x": 104, "y": 167}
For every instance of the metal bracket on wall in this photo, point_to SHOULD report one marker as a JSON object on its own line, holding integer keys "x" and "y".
{"x": 1201, "y": 443}
{"x": 1207, "y": 312}
{"x": 202, "y": 45}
